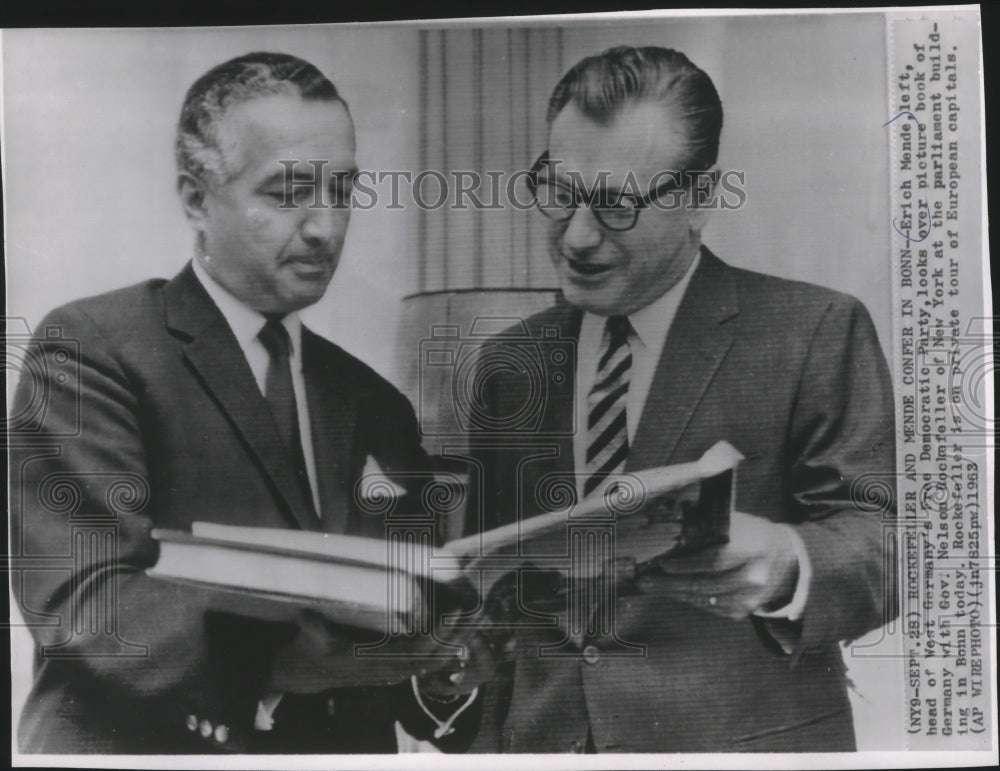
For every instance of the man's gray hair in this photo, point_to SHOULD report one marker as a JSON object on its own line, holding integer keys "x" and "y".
{"x": 601, "y": 86}
{"x": 198, "y": 150}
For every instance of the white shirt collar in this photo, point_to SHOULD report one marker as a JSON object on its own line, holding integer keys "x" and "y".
{"x": 245, "y": 322}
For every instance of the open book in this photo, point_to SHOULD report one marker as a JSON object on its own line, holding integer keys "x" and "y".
{"x": 367, "y": 582}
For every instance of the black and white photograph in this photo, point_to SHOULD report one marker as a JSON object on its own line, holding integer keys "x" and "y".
{"x": 501, "y": 390}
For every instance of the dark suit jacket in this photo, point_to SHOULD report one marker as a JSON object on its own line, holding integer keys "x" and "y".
{"x": 145, "y": 413}
{"x": 793, "y": 376}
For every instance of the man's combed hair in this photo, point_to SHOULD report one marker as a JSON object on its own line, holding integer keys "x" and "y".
{"x": 601, "y": 86}
{"x": 239, "y": 80}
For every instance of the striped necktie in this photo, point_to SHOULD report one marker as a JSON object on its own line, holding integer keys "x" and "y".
{"x": 607, "y": 429}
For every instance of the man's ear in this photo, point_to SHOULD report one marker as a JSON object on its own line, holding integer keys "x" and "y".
{"x": 192, "y": 194}
{"x": 703, "y": 201}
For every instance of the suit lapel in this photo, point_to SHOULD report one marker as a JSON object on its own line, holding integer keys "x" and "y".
{"x": 215, "y": 356}
{"x": 559, "y": 416}
{"x": 697, "y": 343}
{"x": 333, "y": 411}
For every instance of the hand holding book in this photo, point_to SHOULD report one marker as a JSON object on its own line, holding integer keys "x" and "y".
{"x": 343, "y": 590}
{"x": 474, "y": 665}
{"x": 756, "y": 569}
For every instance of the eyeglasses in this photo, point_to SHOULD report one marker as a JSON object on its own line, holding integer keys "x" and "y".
{"x": 559, "y": 201}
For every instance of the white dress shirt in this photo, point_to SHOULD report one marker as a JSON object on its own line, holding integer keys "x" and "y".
{"x": 650, "y": 326}
{"x": 246, "y": 324}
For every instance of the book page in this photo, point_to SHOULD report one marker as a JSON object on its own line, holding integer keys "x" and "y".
{"x": 335, "y": 546}
{"x": 629, "y": 493}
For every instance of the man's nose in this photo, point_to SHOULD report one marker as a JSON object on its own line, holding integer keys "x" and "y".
{"x": 584, "y": 232}
{"x": 321, "y": 224}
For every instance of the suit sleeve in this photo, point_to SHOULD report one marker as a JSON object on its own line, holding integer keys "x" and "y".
{"x": 842, "y": 442}
{"x": 81, "y": 500}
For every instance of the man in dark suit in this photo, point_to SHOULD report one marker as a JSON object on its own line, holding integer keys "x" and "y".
{"x": 204, "y": 398}
{"x": 734, "y": 648}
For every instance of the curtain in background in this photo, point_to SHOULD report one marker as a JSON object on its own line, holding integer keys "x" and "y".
{"x": 483, "y": 99}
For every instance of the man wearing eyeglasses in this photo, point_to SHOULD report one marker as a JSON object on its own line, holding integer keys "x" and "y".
{"x": 734, "y": 648}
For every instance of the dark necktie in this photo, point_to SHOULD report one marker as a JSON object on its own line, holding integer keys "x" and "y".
{"x": 607, "y": 429}
{"x": 279, "y": 394}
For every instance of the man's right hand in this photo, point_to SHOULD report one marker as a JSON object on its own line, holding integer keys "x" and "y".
{"x": 476, "y": 665}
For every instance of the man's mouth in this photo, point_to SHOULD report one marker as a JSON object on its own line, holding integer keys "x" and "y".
{"x": 310, "y": 261}
{"x": 310, "y": 267}
{"x": 587, "y": 268}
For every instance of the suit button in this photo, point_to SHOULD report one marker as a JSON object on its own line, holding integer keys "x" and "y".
{"x": 591, "y": 654}
{"x": 222, "y": 734}
{"x": 192, "y": 722}
{"x": 205, "y": 728}
{"x": 576, "y": 746}
{"x": 331, "y": 707}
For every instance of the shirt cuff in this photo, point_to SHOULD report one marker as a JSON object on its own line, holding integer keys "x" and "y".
{"x": 796, "y": 607}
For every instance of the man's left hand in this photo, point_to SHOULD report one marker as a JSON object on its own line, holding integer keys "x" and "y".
{"x": 757, "y": 570}
{"x": 476, "y": 665}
